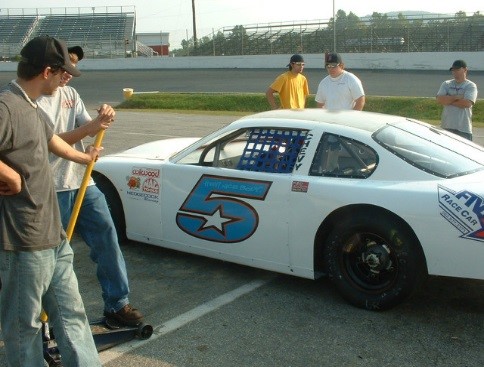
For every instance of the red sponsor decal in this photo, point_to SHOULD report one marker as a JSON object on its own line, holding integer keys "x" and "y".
{"x": 146, "y": 172}
{"x": 133, "y": 182}
{"x": 300, "y": 186}
{"x": 151, "y": 185}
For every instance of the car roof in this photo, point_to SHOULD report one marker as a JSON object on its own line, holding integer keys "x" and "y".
{"x": 367, "y": 121}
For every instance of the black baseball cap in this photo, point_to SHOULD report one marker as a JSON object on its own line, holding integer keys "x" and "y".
{"x": 458, "y": 64}
{"x": 295, "y": 58}
{"x": 78, "y": 51}
{"x": 48, "y": 51}
{"x": 333, "y": 58}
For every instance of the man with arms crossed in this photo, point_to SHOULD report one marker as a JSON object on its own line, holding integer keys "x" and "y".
{"x": 457, "y": 95}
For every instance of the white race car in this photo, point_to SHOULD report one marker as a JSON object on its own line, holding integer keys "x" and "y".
{"x": 374, "y": 201}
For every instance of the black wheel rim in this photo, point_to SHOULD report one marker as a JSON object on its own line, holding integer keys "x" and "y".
{"x": 369, "y": 262}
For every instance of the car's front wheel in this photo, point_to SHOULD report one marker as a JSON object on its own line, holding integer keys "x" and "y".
{"x": 374, "y": 260}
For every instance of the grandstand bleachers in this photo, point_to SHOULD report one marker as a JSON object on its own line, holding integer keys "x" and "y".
{"x": 409, "y": 33}
{"x": 14, "y": 32}
{"x": 102, "y": 34}
{"x": 88, "y": 28}
{"x": 108, "y": 32}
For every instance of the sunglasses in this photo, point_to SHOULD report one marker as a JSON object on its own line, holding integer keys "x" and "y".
{"x": 331, "y": 66}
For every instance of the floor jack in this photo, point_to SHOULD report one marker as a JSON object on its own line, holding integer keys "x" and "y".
{"x": 106, "y": 332}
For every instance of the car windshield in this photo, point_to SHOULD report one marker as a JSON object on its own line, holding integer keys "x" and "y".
{"x": 431, "y": 149}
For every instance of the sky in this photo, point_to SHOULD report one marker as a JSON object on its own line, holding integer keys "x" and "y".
{"x": 176, "y": 16}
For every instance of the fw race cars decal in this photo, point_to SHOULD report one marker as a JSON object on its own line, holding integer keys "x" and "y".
{"x": 464, "y": 210}
{"x": 214, "y": 209}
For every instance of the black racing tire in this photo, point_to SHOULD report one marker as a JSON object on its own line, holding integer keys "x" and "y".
{"x": 114, "y": 204}
{"x": 374, "y": 260}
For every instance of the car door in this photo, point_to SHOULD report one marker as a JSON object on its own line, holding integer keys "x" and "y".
{"x": 332, "y": 168}
{"x": 229, "y": 200}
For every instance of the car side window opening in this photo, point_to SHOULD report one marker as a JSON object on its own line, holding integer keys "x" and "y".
{"x": 268, "y": 149}
{"x": 271, "y": 150}
{"x": 431, "y": 150}
{"x": 338, "y": 156}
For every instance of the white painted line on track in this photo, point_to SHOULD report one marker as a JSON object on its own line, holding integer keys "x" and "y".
{"x": 179, "y": 321}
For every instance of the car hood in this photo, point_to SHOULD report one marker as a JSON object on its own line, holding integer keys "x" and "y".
{"x": 159, "y": 149}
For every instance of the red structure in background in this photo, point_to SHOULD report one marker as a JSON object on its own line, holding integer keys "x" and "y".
{"x": 158, "y": 42}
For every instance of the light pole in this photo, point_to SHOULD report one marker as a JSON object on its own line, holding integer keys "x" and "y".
{"x": 195, "y": 42}
{"x": 334, "y": 29}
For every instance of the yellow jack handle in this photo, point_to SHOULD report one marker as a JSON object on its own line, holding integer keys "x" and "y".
{"x": 82, "y": 189}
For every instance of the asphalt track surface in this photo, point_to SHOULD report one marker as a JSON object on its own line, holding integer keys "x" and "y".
{"x": 106, "y": 86}
{"x": 212, "y": 313}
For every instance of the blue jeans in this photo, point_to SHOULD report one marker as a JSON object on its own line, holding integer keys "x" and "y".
{"x": 43, "y": 279}
{"x": 96, "y": 227}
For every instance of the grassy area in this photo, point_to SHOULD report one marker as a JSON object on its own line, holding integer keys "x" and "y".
{"x": 425, "y": 109}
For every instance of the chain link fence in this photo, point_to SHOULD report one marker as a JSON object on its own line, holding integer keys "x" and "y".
{"x": 409, "y": 33}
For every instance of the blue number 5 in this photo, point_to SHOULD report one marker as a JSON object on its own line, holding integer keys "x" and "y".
{"x": 212, "y": 211}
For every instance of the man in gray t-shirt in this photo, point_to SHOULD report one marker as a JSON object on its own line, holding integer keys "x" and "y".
{"x": 36, "y": 260}
{"x": 458, "y": 95}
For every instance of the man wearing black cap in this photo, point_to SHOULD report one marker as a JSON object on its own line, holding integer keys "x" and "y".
{"x": 340, "y": 90}
{"x": 76, "y": 54}
{"x": 457, "y": 95}
{"x": 292, "y": 86}
{"x": 69, "y": 118}
{"x": 36, "y": 260}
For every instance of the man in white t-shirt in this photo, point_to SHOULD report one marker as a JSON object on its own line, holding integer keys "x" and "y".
{"x": 340, "y": 90}
{"x": 68, "y": 117}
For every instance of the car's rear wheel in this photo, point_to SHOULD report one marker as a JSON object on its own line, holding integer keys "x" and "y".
{"x": 374, "y": 260}
{"x": 114, "y": 204}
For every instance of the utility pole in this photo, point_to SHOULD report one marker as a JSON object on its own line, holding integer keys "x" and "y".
{"x": 195, "y": 41}
{"x": 334, "y": 29}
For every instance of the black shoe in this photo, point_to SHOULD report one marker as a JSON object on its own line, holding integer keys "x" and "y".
{"x": 128, "y": 316}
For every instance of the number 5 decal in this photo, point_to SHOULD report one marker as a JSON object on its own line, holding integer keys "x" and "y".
{"x": 212, "y": 211}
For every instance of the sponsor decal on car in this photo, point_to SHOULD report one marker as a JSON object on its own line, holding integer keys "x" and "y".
{"x": 464, "y": 210}
{"x": 300, "y": 186}
{"x": 143, "y": 184}
{"x": 133, "y": 182}
{"x": 146, "y": 172}
{"x": 151, "y": 185}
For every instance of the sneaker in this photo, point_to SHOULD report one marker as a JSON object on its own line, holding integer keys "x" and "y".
{"x": 127, "y": 316}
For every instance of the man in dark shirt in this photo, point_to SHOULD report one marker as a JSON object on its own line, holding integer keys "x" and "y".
{"x": 36, "y": 260}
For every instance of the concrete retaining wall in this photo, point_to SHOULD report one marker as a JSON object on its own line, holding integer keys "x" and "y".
{"x": 385, "y": 61}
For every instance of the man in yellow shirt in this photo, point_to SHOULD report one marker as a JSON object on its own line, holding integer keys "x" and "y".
{"x": 291, "y": 86}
